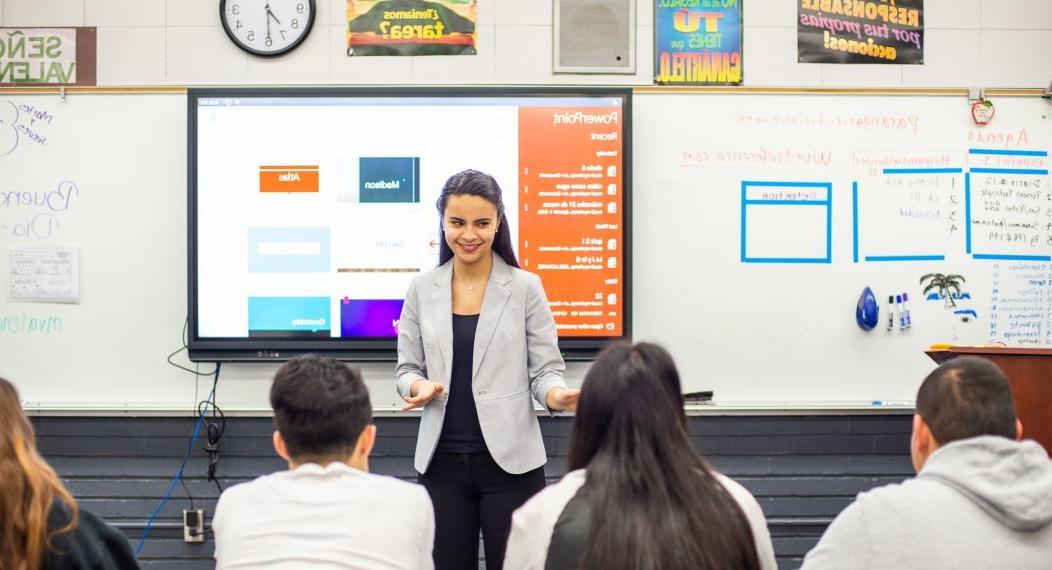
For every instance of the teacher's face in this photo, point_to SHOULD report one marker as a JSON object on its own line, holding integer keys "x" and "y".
{"x": 470, "y": 222}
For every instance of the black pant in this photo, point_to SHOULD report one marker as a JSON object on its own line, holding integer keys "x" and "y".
{"x": 469, "y": 491}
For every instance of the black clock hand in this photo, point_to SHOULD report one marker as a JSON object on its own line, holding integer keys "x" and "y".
{"x": 271, "y": 15}
{"x": 267, "y": 8}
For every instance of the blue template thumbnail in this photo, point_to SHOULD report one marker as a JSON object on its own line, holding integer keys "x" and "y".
{"x": 384, "y": 180}
{"x": 291, "y": 317}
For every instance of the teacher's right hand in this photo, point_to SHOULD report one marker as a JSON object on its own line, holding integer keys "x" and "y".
{"x": 420, "y": 393}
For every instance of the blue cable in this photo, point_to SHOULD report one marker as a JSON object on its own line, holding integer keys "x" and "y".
{"x": 179, "y": 474}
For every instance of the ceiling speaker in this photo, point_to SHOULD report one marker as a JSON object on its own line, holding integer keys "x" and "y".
{"x": 595, "y": 36}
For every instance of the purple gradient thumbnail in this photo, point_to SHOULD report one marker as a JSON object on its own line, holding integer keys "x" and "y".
{"x": 369, "y": 317}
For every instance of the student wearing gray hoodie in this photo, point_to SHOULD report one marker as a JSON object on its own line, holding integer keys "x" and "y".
{"x": 981, "y": 499}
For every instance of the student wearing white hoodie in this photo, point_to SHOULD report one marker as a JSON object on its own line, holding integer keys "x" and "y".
{"x": 981, "y": 499}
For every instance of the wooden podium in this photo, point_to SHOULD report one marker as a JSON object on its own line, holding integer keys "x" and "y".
{"x": 1029, "y": 370}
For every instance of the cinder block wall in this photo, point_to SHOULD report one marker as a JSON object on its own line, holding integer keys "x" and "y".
{"x": 802, "y": 469}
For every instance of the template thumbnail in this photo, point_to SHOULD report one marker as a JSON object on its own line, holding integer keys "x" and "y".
{"x": 379, "y": 248}
{"x": 289, "y": 250}
{"x": 386, "y": 180}
{"x": 289, "y": 317}
{"x": 288, "y": 178}
{"x": 369, "y": 317}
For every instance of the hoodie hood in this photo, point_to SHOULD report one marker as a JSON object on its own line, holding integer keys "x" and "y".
{"x": 1010, "y": 480}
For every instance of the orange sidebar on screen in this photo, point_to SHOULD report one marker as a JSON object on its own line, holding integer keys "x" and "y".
{"x": 570, "y": 218}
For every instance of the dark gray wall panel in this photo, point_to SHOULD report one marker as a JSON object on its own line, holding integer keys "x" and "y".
{"x": 802, "y": 469}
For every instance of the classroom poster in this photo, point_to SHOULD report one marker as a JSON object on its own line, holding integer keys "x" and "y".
{"x": 47, "y": 56}
{"x": 698, "y": 42}
{"x": 861, "y": 31}
{"x": 411, "y": 27}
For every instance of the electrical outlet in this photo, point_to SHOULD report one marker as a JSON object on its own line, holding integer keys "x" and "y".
{"x": 194, "y": 525}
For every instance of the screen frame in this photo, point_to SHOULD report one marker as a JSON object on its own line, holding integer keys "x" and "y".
{"x": 245, "y": 349}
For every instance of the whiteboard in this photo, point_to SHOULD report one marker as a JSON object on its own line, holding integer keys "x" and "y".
{"x": 764, "y": 332}
{"x": 760, "y": 218}
{"x": 105, "y": 172}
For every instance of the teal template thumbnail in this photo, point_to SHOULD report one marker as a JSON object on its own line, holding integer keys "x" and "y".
{"x": 288, "y": 316}
{"x": 383, "y": 180}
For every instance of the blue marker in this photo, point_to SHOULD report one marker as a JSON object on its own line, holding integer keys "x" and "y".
{"x": 902, "y": 316}
{"x": 906, "y": 309}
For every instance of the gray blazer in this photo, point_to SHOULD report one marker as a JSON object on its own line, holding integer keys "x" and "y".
{"x": 516, "y": 360}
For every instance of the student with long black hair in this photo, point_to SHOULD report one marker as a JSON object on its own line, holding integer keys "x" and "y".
{"x": 638, "y": 496}
{"x": 476, "y": 346}
{"x": 41, "y": 527}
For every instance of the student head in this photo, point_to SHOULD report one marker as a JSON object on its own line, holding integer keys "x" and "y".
{"x": 965, "y": 397}
{"x": 472, "y": 221}
{"x": 655, "y": 502}
{"x": 28, "y": 489}
{"x": 322, "y": 413}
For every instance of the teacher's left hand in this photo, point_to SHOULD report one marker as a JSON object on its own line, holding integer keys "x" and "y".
{"x": 562, "y": 399}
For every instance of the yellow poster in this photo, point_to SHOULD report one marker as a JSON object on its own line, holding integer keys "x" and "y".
{"x": 411, "y": 27}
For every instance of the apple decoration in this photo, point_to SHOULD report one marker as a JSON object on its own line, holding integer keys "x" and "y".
{"x": 982, "y": 111}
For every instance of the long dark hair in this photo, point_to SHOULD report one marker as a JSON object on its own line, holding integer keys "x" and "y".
{"x": 29, "y": 489}
{"x": 475, "y": 183}
{"x": 656, "y": 504}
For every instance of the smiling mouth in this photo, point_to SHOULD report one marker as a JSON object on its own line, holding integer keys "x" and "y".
{"x": 469, "y": 248}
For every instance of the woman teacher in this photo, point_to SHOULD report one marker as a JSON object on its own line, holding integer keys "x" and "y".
{"x": 476, "y": 346}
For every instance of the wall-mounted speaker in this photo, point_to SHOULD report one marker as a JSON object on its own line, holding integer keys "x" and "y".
{"x": 594, "y": 36}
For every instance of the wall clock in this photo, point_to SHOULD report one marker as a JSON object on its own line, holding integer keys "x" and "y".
{"x": 267, "y": 28}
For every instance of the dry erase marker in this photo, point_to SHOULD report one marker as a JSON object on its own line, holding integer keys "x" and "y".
{"x": 906, "y": 309}
{"x": 902, "y": 316}
{"x": 891, "y": 312}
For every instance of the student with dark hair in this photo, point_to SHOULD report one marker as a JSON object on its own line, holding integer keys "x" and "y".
{"x": 41, "y": 527}
{"x": 981, "y": 498}
{"x": 638, "y": 496}
{"x": 476, "y": 346}
{"x": 326, "y": 511}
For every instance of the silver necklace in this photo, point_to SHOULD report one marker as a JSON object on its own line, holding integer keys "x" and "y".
{"x": 470, "y": 286}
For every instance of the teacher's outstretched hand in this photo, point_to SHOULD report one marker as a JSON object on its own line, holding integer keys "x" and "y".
{"x": 562, "y": 399}
{"x": 422, "y": 392}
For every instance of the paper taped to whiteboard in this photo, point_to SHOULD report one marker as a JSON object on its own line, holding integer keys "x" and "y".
{"x": 45, "y": 274}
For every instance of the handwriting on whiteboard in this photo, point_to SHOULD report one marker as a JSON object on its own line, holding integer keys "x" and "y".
{"x": 757, "y": 156}
{"x": 1021, "y": 304}
{"x": 35, "y": 214}
{"x": 30, "y": 325}
{"x": 866, "y": 123}
{"x": 23, "y": 124}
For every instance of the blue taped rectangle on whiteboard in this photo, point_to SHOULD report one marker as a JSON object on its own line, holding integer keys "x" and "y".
{"x": 786, "y": 222}
{"x": 289, "y": 250}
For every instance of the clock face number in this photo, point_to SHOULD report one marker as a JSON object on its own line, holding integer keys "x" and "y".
{"x": 267, "y": 27}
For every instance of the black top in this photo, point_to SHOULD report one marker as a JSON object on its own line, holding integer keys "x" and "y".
{"x": 571, "y": 532}
{"x": 461, "y": 432}
{"x": 92, "y": 545}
